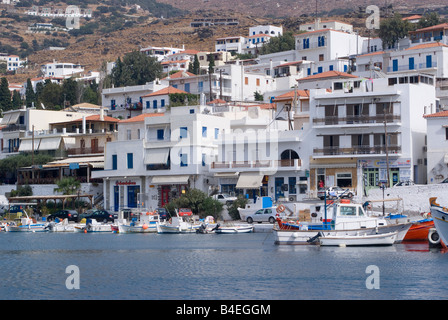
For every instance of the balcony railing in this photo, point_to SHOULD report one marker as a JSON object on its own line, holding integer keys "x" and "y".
{"x": 74, "y": 151}
{"x": 365, "y": 150}
{"x": 335, "y": 120}
{"x": 286, "y": 163}
{"x": 417, "y": 66}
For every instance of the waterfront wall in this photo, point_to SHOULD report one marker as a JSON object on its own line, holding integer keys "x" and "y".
{"x": 415, "y": 198}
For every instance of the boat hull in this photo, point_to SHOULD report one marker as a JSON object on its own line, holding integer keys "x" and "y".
{"x": 40, "y": 227}
{"x": 419, "y": 231}
{"x": 386, "y": 239}
{"x": 303, "y": 236}
{"x": 440, "y": 217}
{"x": 233, "y": 230}
{"x": 151, "y": 228}
{"x": 162, "y": 228}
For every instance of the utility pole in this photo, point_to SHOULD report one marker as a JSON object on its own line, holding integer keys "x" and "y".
{"x": 386, "y": 145}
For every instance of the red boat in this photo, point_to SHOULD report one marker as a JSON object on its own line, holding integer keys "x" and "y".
{"x": 419, "y": 230}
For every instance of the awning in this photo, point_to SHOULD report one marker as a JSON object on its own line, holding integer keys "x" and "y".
{"x": 10, "y": 118}
{"x": 69, "y": 142}
{"x": 27, "y": 145}
{"x": 249, "y": 181}
{"x": 50, "y": 143}
{"x": 156, "y": 156}
{"x": 170, "y": 179}
{"x": 226, "y": 175}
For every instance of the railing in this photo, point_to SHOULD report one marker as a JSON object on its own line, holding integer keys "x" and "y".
{"x": 286, "y": 163}
{"x": 335, "y": 120}
{"x": 378, "y": 149}
{"x": 74, "y": 151}
{"x": 416, "y": 66}
{"x": 14, "y": 127}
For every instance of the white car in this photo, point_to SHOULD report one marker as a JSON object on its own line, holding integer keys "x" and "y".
{"x": 262, "y": 215}
{"x": 224, "y": 198}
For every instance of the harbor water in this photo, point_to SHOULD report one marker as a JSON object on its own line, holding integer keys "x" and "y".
{"x": 212, "y": 267}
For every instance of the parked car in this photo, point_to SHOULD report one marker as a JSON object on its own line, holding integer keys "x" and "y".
{"x": 404, "y": 183}
{"x": 262, "y": 215}
{"x": 102, "y": 216}
{"x": 334, "y": 192}
{"x": 163, "y": 213}
{"x": 224, "y": 198}
{"x": 185, "y": 212}
{"x": 71, "y": 215}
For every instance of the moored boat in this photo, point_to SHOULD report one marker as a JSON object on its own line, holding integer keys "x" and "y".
{"x": 178, "y": 224}
{"x": 440, "y": 217}
{"x": 93, "y": 226}
{"x": 232, "y": 229}
{"x": 382, "y": 239}
{"x": 342, "y": 218}
{"x": 147, "y": 222}
{"x": 27, "y": 224}
{"x": 419, "y": 230}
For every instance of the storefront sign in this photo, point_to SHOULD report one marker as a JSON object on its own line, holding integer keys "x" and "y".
{"x": 125, "y": 183}
{"x": 373, "y": 163}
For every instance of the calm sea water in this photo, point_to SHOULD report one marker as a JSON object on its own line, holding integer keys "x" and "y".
{"x": 211, "y": 267}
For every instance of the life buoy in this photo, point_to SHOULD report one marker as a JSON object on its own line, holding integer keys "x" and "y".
{"x": 281, "y": 208}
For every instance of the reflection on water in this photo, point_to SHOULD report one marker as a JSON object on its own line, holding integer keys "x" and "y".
{"x": 229, "y": 267}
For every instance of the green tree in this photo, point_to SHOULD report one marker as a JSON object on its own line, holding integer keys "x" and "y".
{"x": 281, "y": 43}
{"x": 68, "y": 186}
{"x": 198, "y": 202}
{"x": 195, "y": 67}
{"x": 9, "y": 165}
{"x": 51, "y": 95}
{"x": 136, "y": 69}
{"x": 69, "y": 91}
{"x": 429, "y": 19}
{"x": 30, "y": 96}
{"x": 16, "y": 100}
{"x": 211, "y": 63}
{"x": 393, "y": 29}
{"x": 258, "y": 96}
{"x": 5, "y": 95}
{"x": 240, "y": 202}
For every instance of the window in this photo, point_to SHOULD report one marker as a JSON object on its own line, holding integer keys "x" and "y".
{"x": 203, "y": 159}
{"x": 446, "y": 133}
{"x": 183, "y": 160}
{"x": 130, "y": 160}
{"x": 160, "y": 134}
{"x": 246, "y": 80}
{"x": 216, "y": 133}
{"x": 162, "y": 103}
{"x": 128, "y": 134}
{"x": 154, "y": 104}
{"x": 183, "y": 132}
{"x": 148, "y": 104}
{"x": 306, "y": 43}
{"x": 204, "y": 132}
{"x": 114, "y": 162}
{"x": 258, "y": 82}
{"x": 321, "y": 41}
{"x": 292, "y": 185}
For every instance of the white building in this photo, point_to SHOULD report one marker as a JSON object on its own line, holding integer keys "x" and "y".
{"x": 326, "y": 24}
{"x": 61, "y": 70}
{"x": 350, "y": 148}
{"x": 126, "y": 102}
{"x": 437, "y": 146}
{"x": 273, "y": 31}
{"x": 161, "y": 52}
{"x": 171, "y": 154}
{"x": 158, "y": 101}
{"x": 230, "y": 44}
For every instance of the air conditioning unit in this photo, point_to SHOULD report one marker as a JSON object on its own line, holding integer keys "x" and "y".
{"x": 292, "y": 198}
{"x": 425, "y": 148}
{"x": 420, "y": 161}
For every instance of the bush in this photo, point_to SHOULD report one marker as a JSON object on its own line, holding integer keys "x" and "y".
{"x": 240, "y": 202}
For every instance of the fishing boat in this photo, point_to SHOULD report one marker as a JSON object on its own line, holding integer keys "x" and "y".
{"x": 440, "y": 217}
{"x": 147, "y": 222}
{"x": 340, "y": 218}
{"x": 419, "y": 230}
{"x": 382, "y": 239}
{"x": 179, "y": 224}
{"x": 93, "y": 226}
{"x": 27, "y": 224}
{"x": 232, "y": 229}
{"x": 61, "y": 226}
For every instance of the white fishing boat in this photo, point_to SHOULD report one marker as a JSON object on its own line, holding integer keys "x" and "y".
{"x": 147, "y": 222}
{"x": 341, "y": 218}
{"x": 93, "y": 226}
{"x": 179, "y": 224}
{"x": 62, "y": 226}
{"x": 27, "y": 225}
{"x": 232, "y": 229}
{"x": 440, "y": 217}
{"x": 384, "y": 239}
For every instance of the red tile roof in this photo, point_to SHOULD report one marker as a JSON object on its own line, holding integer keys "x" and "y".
{"x": 164, "y": 91}
{"x": 141, "y": 117}
{"x": 328, "y": 74}
{"x": 427, "y": 45}
{"x": 441, "y": 114}
{"x": 290, "y": 95}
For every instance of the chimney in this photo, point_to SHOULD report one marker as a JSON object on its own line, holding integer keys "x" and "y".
{"x": 101, "y": 113}
{"x": 84, "y": 124}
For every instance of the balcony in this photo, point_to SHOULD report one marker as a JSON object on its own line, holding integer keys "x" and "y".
{"x": 358, "y": 119}
{"x": 356, "y": 150}
{"x": 77, "y": 151}
{"x": 287, "y": 164}
{"x": 417, "y": 66}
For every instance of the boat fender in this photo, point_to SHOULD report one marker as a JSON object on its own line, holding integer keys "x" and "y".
{"x": 433, "y": 237}
{"x": 144, "y": 226}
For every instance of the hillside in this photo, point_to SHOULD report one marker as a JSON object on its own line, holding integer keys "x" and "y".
{"x": 117, "y": 28}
